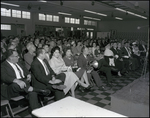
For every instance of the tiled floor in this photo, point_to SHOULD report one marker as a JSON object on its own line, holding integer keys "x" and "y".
{"x": 103, "y": 98}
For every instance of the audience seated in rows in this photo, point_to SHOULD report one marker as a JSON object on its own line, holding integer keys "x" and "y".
{"x": 125, "y": 56}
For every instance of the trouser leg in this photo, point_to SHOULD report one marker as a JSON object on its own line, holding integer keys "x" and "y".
{"x": 14, "y": 90}
{"x": 96, "y": 78}
{"x": 57, "y": 93}
{"x": 107, "y": 71}
{"x": 33, "y": 100}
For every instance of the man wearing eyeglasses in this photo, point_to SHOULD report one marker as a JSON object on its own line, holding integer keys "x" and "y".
{"x": 16, "y": 79}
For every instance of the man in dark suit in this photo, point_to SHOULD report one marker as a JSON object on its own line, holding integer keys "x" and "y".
{"x": 104, "y": 67}
{"x": 142, "y": 48}
{"x": 119, "y": 64}
{"x": 44, "y": 76}
{"x": 128, "y": 58}
{"x": 83, "y": 62}
{"x": 16, "y": 80}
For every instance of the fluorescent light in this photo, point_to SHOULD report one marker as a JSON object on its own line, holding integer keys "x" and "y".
{"x": 95, "y": 13}
{"x": 42, "y": 1}
{"x": 64, "y": 13}
{"x": 10, "y": 4}
{"x": 118, "y": 18}
{"x": 89, "y": 29}
{"x": 91, "y": 18}
{"x": 120, "y": 9}
{"x": 131, "y": 13}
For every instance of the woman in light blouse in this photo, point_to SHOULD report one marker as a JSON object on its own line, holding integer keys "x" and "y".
{"x": 58, "y": 65}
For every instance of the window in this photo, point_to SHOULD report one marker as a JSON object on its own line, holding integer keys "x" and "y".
{"x": 25, "y": 15}
{"x": 93, "y": 23}
{"x": 72, "y": 20}
{"x": 67, "y": 20}
{"x": 56, "y": 18}
{"x": 85, "y": 22}
{"x": 41, "y": 17}
{"x": 89, "y": 22}
{"x": 91, "y": 35}
{"x": 77, "y": 21}
{"x": 71, "y": 28}
{"x": 87, "y": 34}
{"x": 16, "y": 13}
{"x": 89, "y": 29}
{"x": 5, "y": 27}
{"x": 49, "y": 17}
{"x": 5, "y": 12}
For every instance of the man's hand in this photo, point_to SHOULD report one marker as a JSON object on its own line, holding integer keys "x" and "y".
{"x": 56, "y": 81}
{"x": 21, "y": 83}
{"x": 29, "y": 77}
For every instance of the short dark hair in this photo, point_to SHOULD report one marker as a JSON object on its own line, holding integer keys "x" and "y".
{"x": 39, "y": 51}
{"x": 9, "y": 52}
{"x": 66, "y": 49}
{"x": 83, "y": 48}
{"x": 54, "y": 49}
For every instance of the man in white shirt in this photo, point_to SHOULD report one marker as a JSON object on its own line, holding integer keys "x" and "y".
{"x": 17, "y": 78}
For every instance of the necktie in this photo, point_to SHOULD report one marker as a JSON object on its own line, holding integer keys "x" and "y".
{"x": 21, "y": 74}
{"x": 128, "y": 52}
{"x": 46, "y": 68}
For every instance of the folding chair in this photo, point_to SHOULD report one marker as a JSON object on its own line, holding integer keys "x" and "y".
{"x": 45, "y": 100}
{"x": 6, "y": 105}
{"x": 18, "y": 109}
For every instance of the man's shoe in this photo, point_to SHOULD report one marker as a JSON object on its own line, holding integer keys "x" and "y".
{"x": 81, "y": 89}
{"x": 59, "y": 87}
{"x": 88, "y": 88}
{"x": 45, "y": 92}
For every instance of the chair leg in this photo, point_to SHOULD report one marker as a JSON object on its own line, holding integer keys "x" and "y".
{"x": 8, "y": 110}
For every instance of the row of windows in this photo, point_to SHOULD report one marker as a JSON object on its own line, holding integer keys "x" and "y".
{"x": 5, "y": 27}
{"x": 72, "y": 20}
{"x": 27, "y": 15}
{"x": 88, "y": 22}
{"x": 48, "y": 17}
{"x": 8, "y": 27}
{"x": 15, "y": 13}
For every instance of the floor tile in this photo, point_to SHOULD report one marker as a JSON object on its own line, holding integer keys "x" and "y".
{"x": 105, "y": 101}
{"x": 92, "y": 101}
{"x": 100, "y": 104}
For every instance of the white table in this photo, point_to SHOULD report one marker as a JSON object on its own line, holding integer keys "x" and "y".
{"x": 72, "y": 107}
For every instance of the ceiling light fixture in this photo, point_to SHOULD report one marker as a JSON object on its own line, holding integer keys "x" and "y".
{"x": 91, "y": 18}
{"x": 95, "y": 13}
{"x": 64, "y": 13}
{"x": 10, "y": 4}
{"x": 131, "y": 13}
{"x": 42, "y": 1}
{"x": 118, "y": 18}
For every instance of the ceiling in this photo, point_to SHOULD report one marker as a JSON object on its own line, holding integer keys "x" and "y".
{"x": 76, "y": 8}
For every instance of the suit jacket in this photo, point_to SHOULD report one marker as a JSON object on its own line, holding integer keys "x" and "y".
{"x": 83, "y": 62}
{"x": 7, "y": 77}
{"x": 124, "y": 52}
{"x": 141, "y": 47}
{"x": 8, "y": 74}
{"x": 40, "y": 79}
{"x": 114, "y": 51}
